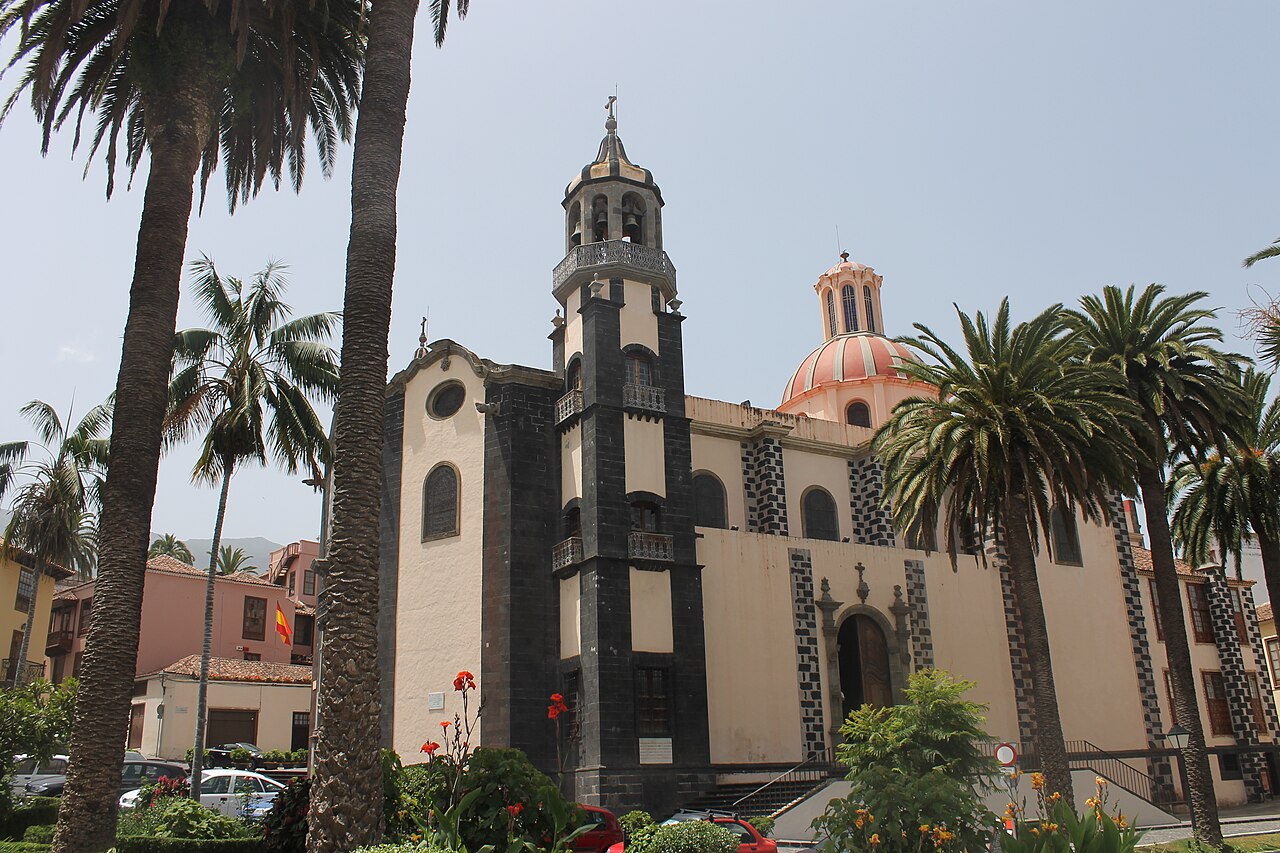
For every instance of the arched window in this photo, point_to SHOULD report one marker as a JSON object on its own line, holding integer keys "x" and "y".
{"x": 600, "y": 218}
{"x": 1066, "y": 538}
{"x": 858, "y": 414}
{"x": 639, "y": 369}
{"x": 849, "y": 299}
{"x": 709, "y": 506}
{"x": 632, "y": 218}
{"x": 644, "y": 516}
{"x": 921, "y": 537}
{"x": 573, "y": 377}
{"x": 572, "y": 523}
{"x": 440, "y": 502}
{"x": 831, "y": 315}
{"x": 575, "y": 224}
{"x": 819, "y": 512}
{"x": 871, "y": 307}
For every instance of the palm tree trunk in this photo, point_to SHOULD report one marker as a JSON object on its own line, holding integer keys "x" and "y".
{"x": 346, "y": 790}
{"x": 206, "y": 648}
{"x": 24, "y": 650}
{"x": 87, "y": 816}
{"x": 1186, "y": 707}
{"x": 1049, "y": 742}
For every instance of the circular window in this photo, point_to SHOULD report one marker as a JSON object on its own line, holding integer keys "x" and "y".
{"x": 446, "y": 399}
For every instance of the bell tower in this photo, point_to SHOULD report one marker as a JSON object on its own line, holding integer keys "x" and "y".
{"x": 632, "y": 647}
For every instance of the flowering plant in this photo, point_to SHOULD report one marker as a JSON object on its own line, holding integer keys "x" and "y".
{"x": 1056, "y": 828}
{"x": 557, "y": 710}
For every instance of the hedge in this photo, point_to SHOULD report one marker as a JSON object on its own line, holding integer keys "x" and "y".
{"x": 33, "y": 812}
{"x": 146, "y": 844}
{"x": 23, "y": 847}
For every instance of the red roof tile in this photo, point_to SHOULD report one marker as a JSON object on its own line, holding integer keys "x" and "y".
{"x": 165, "y": 563}
{"x": 1264, "y": 611}
{"x": 227, "y": 669}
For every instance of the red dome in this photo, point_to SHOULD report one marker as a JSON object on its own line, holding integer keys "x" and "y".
{"x": 848, "y": 358}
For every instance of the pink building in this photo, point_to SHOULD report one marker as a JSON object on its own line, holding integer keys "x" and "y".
{"x": 244, "y": 627}
{"x": 291, "y": 568}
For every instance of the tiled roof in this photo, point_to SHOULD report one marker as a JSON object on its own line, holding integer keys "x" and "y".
{"x": 1264, "y": 611}
{"x": 1142, "y": 561}
{"x": 165, "y": 563}
{"x": 304, "y": 609}
{"x": 23, "y": 558}
{"x": 227, "y": 669}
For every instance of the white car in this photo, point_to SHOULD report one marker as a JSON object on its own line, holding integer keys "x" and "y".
{"x": 227, "y": 791}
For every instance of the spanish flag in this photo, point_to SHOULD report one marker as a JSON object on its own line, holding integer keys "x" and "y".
{"x": 282, "y": 627}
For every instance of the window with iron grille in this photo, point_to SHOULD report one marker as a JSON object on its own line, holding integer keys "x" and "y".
{"x": 292, "y": 577}
{"x": 1155, "y": 609}
{"x": 26, "y": 590}
{"x": 1168, "y": 695}
{"x": 653, "y": 701}
{"x": 1237, "y": 614}
{"x": 1201, "y": 619}
{"x": 821, "y": 519}
{"x": 303, "y": 629}
{"x": 86, "y": 608}
{"x": 255, "y": 618}
{"x": 572, "y": 698}
{"x": 1215, "y": 694}
{"x": 849, "y": 300}
{"x": 831, "y": 314}
{"x": 709, "y": 504}
{"x": 639, "y": 369}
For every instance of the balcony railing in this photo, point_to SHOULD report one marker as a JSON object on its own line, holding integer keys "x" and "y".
{"x": 644, "y": 397}
{"x": 59, "y": 642}
{"x": 9, "y": 669}
{"x": 614, "y": 253}
{"x": 567, "y": 553}
{"x": 650, "y": 546}
{"x": 568, "y": 406}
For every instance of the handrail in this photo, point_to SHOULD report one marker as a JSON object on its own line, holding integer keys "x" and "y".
{"x": 1118, "y": 771}
{"x": 771, "y": 782}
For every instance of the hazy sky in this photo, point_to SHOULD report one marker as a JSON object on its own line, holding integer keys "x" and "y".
{"x": 965, "y": 150}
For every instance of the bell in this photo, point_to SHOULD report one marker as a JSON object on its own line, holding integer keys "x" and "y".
{"x": 577, "y": 230}
{"x": 630, "y": 221}
{"x": 602, "y": 216}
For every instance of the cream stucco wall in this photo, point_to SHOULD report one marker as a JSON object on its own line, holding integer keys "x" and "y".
{"x": 571, "y": 463}
{"x": 803, "y": 471}
{"x": 173, "y": 734}
{"x": 646, "y": 468}
{"x": 651, "y": 611}
{"x": 570, "y": 616}
{"x": 572, "y": 325}
{"x": 439, "y": 594}
{"x": 638, "y": 323}
{"x": 723, "y": 458}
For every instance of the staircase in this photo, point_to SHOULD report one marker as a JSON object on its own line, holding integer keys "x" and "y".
{"x": 751, "y": 799}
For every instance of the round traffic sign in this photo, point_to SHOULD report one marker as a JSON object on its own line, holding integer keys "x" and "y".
{"x": 1006, "y": 754}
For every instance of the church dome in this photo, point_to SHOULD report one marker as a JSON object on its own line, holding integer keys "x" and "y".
{"x": 848, "y": 358}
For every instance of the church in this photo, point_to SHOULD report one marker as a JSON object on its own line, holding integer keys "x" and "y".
{"x": 712, "y": 585}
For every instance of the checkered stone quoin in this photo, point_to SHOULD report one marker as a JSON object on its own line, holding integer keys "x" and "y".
{"x": 871, "y": 522}
{"x": 765, "y": 486}
{"x": 918, "y": 613}
{"x": 1259, "y": 655}
{"x": 806, "y": 626}
{"x": 1018, "y": 663}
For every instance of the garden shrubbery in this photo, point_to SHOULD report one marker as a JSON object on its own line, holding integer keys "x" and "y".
{"x": 35, "y": 811}
{"x": 142, "y": 844}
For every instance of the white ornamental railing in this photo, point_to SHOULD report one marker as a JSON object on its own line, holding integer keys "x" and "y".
{"x": 645, "y": 397}
{"x": 650, "y": 546}
{"x": 568, "y": 406}
{"x": 614, "y": 252}
{"x": 567, "y": 553}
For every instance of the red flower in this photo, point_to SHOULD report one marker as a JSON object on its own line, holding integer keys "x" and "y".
{"x": 430, "y": 748}
{"x": 552, "y": 712}
{"x": 464, "y": 681}
{"x": 556, "y": 697}
{"x": 445, "y": 724}
{"x": 516, "y": 809}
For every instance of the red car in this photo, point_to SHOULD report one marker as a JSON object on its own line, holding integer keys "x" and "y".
{"x": 605, "y": 833}
{"x": 749, "y": 838}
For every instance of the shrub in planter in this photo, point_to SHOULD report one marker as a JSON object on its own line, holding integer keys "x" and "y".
{"x": 692, "y": 836}
{"x": 40, "y": 833}
{"x": 763, "y": 824}
{"x": 285, "y": 826}
{"x": 633, "y": 821}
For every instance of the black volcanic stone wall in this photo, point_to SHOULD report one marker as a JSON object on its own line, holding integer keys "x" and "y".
{"x": 520, "y": 608}
{"x": 389, "y": 557}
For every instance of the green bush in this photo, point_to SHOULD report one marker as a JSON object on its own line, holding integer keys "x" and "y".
{"x": 31, "y": 812}
{"x": 139, "y": 821}
{"x": 40, "y": 833}
{"x": 763, "y": 824}
{"x": 23, "y": 847}
{"x": 285, "y": 826}
{"x": 633, "y": 821}
{"x": 144, "y": 844}
{"x": 183, "y": 818}
{"x": 423, "y": 847}
{"x": 691, "y": 836}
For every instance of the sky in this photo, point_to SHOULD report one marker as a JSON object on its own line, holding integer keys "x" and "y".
{"x": 966, "y": 151}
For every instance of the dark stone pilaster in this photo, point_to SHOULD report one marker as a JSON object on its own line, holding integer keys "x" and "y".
{"x": 871, "y": 522}
{"x": 805, "y": 614}
{"x": 918, "y": 613}
{"x": 520, "y": 607}
{"x": 389, "y": 557}
{"x": 765, "y": 483}
{"x": 1234, "y": 680}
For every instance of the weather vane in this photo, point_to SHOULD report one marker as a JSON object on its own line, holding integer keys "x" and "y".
{"x": 422, "y": 341}
{"x": 613, "y": 99}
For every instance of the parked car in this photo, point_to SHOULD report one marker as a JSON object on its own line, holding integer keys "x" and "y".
{"x": 605, "y": 831}
{"x": 134, "y": 774}
{"x": 28, "y": 770}
{"x": 749, "y": 838}
{"x": 232, "y": 792}
{"x": 220, "y": 756}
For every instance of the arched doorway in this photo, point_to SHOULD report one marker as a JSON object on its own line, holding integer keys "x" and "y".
{"x": 864, "y": 664}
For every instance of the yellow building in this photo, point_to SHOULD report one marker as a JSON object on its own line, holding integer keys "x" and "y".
{"x": 17, "y": 584}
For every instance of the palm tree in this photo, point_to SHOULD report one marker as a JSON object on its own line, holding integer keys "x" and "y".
{"x": 1233, "y": 494}
{"x": 246, "y": 387}
{"x": 347, "y": 775}
{"x": 169, "y": 545}
{"x": 1017, "y": 431}
{"x": 232, "y": 560}
{"x": 1163, "y": 349}
{"x": 1263, "y": 254}
{"x": 187, "y": 84}
{"x": 53, "y": 512}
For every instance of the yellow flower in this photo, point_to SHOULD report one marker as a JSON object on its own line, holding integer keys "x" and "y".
{"x": 875, "y": 840}
{"x": 1037, "y": 781}
{"x": 859, "y": 823}
{"x": 924, "y": 827}
{"x": 1099, "y": 780}
{"x": 1035, "y": 830}
{"x": 1055, "y": 796}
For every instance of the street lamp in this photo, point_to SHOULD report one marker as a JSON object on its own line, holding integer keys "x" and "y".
{"x": 1178, "y": 738}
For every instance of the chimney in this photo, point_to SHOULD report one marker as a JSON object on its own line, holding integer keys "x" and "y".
{"x": 1132, "y": 522}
